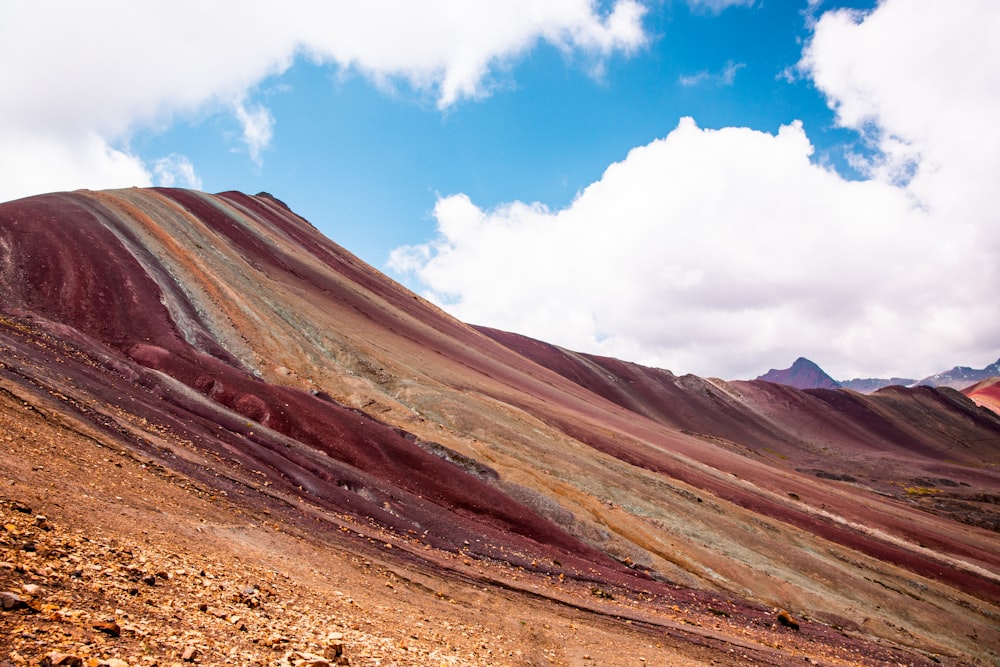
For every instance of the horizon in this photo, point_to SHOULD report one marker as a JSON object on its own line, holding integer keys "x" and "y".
{"x": 716, "y": 187}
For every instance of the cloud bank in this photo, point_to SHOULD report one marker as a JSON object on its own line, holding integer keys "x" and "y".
{"x": 718, "y": 251}
{"x": 72, "y": 97}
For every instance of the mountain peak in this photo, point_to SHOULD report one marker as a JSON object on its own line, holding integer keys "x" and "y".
{"x": 802, "y": 374}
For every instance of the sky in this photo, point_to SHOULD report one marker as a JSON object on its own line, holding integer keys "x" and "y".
{"x": 714, "y": 187}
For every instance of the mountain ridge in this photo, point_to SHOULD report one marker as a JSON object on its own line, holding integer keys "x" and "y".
{"x": 960, "y": 377}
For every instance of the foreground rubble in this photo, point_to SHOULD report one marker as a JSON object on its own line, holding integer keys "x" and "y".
{"x": 76, "y": 597}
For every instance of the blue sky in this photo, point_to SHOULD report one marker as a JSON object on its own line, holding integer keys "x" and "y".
{"x": 366, "y": 166}
{"x": 709, "y": 186}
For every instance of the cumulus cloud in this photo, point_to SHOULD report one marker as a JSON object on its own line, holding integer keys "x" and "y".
{"x": 77, "y": 95}
{"x": 33, "y": 162}
{"x": 447, "y": 47}
{"x": 725, "y": 252}
{"x": 920, "y": 82}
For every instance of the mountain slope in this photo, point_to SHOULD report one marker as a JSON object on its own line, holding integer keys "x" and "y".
{"x": 222, "y": 338}
{"x": 885, "y": 441}
{"x": 985, "y": 393}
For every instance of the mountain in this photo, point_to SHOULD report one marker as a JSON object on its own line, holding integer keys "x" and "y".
{"x": 802, "y": 374}
{"x": 229, "y": 439}
{"x": 961, "y": 377}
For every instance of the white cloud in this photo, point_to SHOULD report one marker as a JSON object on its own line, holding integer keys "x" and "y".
{"x": 691, "y": 80}
{"x": 724, "y": 77}
{"x": 79, "y": 78}
{"x": 728, "y": 74}
{"x": 921, "y": 81}
{"x": 258, "y": 127}
{"x": 34, "y": 162}
{"x": 175, "y": 171}
{"x": 725, "y": 252}
{"x": 448, "y": 47}
{"x": 718, "y": 6}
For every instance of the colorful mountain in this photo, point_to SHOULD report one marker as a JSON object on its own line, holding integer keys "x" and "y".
{"x": 196, "y": 385}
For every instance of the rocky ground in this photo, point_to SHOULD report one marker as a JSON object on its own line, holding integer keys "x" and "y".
{"x": 109, "y": 559}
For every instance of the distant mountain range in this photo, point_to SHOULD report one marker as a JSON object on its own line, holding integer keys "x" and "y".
{"x": 805, "y": 374}
{"x": 961, "y": 377}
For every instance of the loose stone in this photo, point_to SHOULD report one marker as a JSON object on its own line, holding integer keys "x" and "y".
{"x": 109, "y": 628}
{"x": 57, "y": 659}
{"x": 11, "y": 601}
